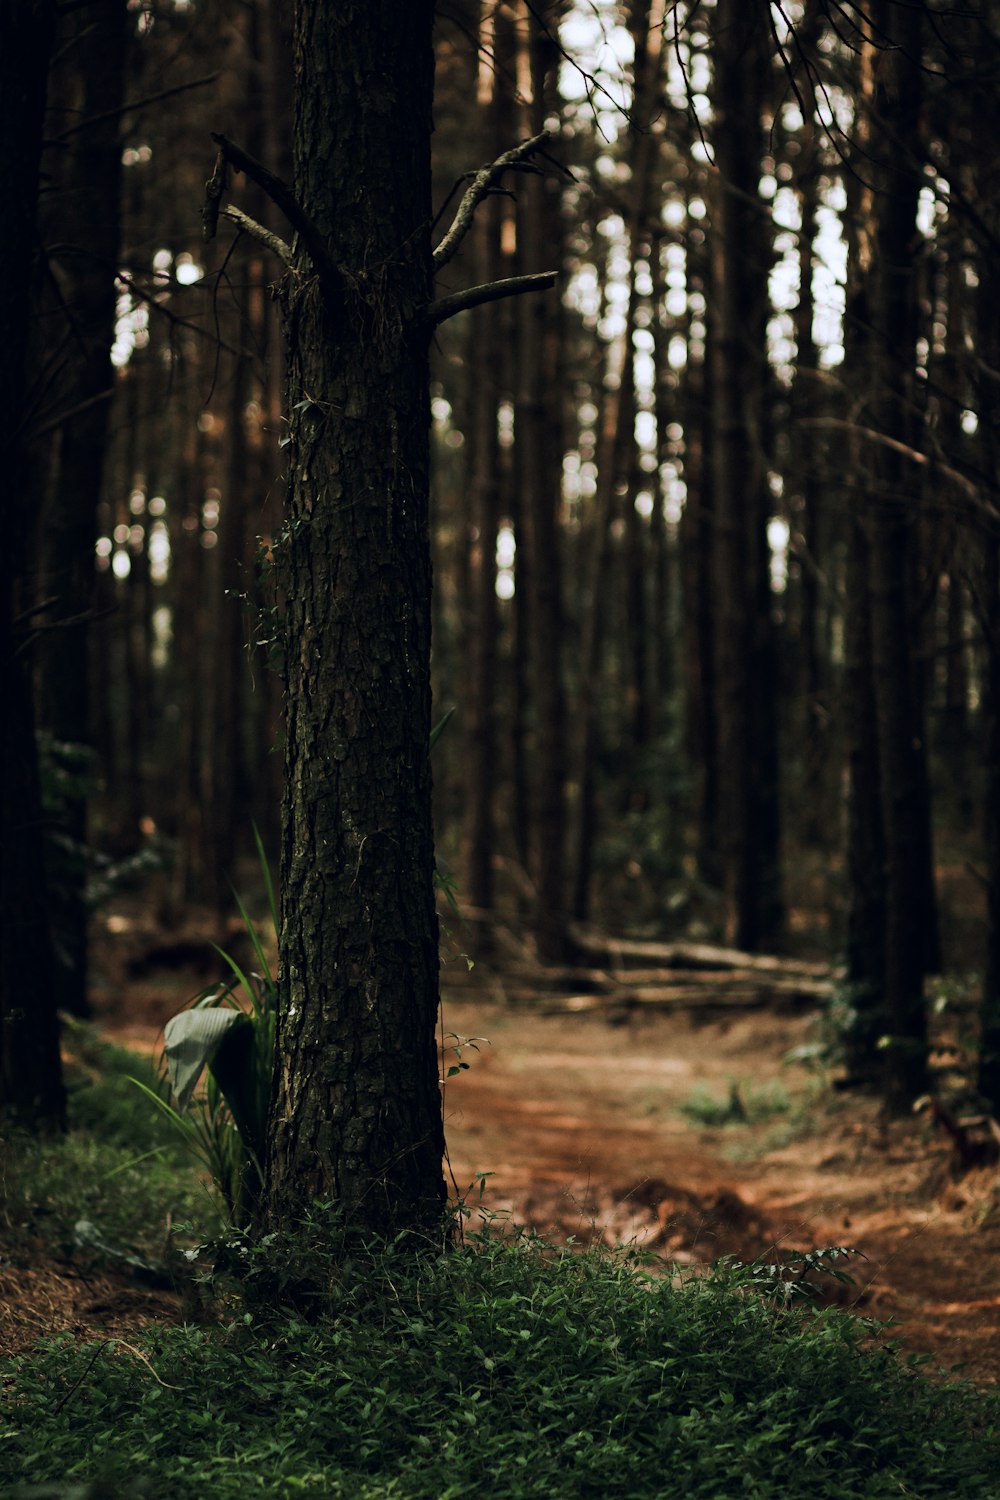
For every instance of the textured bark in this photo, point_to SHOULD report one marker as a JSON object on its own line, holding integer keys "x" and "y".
{"x": 357, "y": 1115}
{"x": 892, "y": 537}
{"x": 31, "y": 1090}
{"x": 989, "y": 609}
{"x": 83, "y": 219}
{"x": 746, "y": 684}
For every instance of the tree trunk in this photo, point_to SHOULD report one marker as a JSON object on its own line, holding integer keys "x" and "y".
{"x": 891, "y": 528}
{"x": 357, "y": 1111}
{"x": 745, "y": 668}
{"x": 478, "y": 708}
{"x": 83, "y": 218}
{"x": 31, "y": 1090}
{"x": 537, "y": 436}
{"x": 617, "y": 436}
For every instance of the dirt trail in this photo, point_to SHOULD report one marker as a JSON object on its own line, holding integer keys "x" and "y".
{"x": 579, "y": 1122}
{"x": 581, "y": 1126}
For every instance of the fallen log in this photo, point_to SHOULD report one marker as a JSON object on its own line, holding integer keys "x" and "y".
{"x": 690, "y": 955}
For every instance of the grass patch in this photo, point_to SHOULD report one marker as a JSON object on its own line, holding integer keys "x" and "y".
{"x": 504, "y": 1368}
{"x": 120, "y": 1168}
{"x": 743, "y": 1104}
{"x": 501, "y": 1367}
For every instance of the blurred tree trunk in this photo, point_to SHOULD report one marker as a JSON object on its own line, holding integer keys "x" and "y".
{"x": 746, "y": 684}
{"x": 538, "y": 430}
{"x": 31, "y": 1090}
{"x": 82, "y": 221}
{"x": 696, "y": 536}
{"x": 357, "y": 1111}
{"x": 894, "y": 162}
{"x": 479, "y": 705}
{"x": 988, "y": 591}
{"x": 616, "y": 437}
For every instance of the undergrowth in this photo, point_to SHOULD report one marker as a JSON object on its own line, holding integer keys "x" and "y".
{"x": 120, "y": 1169}
{"x": 498, "y": 1366}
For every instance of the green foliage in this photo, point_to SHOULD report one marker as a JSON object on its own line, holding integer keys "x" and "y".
{"x": 502, "y": 1366}
{"x": 128, "y": 1199}
{"x": 228, "y": 1034}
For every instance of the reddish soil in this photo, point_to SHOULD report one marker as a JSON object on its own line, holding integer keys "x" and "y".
{"x": 582, "y": 1126}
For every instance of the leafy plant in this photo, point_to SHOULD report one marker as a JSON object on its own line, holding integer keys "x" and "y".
{"x": 226, "y": 1034}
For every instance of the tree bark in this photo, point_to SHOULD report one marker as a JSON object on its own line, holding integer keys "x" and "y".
{"x": 84, "y": 217}
{"x": 538, "y": 423}
{"x": 891, "y": 527}
{"x": 745, "y": 660}
{"x": 31, "y": 1090}
{"x": 357, "y": 1112}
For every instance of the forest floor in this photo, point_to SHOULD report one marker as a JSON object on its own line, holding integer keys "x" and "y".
{"x": 688, "y": 1131}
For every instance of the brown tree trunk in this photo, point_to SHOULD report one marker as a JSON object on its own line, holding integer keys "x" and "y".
{"x": 745, "y": 668}
{"x": 616, "y": 439}
{"x": 537, "y": 435}
{"x": 478, "y": 707}
{"x": 988, "y": 590}
{"x": 357, "y": 1112}
{"x": 891, "y": 526}
{"x": 83, "y": 219}
{"x": 31, "y": 1090}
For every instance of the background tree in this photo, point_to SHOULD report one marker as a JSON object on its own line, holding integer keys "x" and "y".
{"x": 31, "y": 1088}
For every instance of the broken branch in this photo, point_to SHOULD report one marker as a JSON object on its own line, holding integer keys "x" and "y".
{"x": 474, "y": 296}
{"x": 482, "y": 184}
{"x": 282, "y": 197}
{"x": 273, "y": 242}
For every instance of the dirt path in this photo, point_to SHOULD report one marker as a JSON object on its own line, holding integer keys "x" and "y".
{"x": 581, "y": 1127}
{"x": 579, "y": 1123}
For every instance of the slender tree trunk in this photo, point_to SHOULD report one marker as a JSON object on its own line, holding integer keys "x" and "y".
{"x": 616, "y": 439}
{"x": 357, "y": 1112}
{"x": 84, "y": 218}
{"x": 538, "y": 427}
{"x": 988, "y": 589}
{"x": 699, "y": 624}
{"x": 31, "y": 1090}
{"x": 745, "y": 672}
{"x": 891, "y": 529}
{"x": 478, "y": 709}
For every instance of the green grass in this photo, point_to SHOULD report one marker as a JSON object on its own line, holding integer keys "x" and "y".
{"x": 120, "y": 1167}
{"x": 744, "y": 1104}
{"x": 502, "y": 1368}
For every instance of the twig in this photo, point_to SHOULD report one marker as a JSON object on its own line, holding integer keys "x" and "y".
{"x": 482, "y": 184}
{"x": 133, "y": 106}
{"x": 214, "y": 189}
{"x": 282, "y": 196}
{"x": 474, "y": 296}
{"x": 883, "y": 440}
{"x": 77, "y": 1383}
{"x": 272, "y": 241}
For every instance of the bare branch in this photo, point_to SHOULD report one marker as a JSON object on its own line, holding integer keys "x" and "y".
{"x": 474, "y": 296}
{"x": 282, "y": 196}
{"x": 972, "y": 491}
{"x": 215, "y": 187}
{"x": 266, "y": 237}
{"x": 482, "y": 184}
{"x": 134, "y": 106}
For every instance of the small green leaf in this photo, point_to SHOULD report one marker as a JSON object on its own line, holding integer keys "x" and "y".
{"x": 190, "y": 1042}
